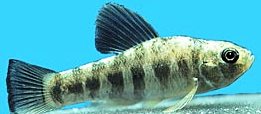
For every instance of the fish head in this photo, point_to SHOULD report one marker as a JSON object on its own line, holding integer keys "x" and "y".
{"x": 222, "y": 63}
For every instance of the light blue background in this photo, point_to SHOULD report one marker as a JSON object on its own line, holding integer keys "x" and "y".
{"x": 59, "y": 34}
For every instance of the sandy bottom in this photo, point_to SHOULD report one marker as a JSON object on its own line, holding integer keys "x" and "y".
{"x": 218, "y": 104}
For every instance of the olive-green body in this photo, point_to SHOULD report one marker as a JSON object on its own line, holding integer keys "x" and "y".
{"x": 154, "y": 70}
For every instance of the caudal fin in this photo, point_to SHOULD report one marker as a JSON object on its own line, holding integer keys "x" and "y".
{"x": 26, "y": 89}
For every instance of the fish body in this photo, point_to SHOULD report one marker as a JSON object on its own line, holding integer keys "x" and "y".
{"x": 145, "y": 67}
{"x": 142, "y": 73}
{"x": 138, "y": 73}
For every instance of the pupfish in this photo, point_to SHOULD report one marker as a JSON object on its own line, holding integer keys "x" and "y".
{"x": 144, "y": 68}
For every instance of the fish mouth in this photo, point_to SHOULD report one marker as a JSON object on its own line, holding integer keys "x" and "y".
{"x": 251, "y": 61}
{"x": 248, "y": 63}
{"x": 252, "y": 58}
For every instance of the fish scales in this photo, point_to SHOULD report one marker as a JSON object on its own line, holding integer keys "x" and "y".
{"x": 139, "y": 73}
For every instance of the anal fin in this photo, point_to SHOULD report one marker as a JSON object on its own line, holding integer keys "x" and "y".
{"x": 181, "y": 103}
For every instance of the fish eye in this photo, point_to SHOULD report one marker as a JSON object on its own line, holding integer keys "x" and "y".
{"x": 230, "y": 55}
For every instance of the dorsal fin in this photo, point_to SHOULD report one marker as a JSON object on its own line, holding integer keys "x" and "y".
{"x": 118, "y": 29}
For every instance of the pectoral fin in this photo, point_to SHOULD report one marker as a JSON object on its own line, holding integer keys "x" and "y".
{"x": 180, "y": 104}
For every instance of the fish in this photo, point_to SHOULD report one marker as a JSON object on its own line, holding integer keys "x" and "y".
{"x": 144, "y": 68}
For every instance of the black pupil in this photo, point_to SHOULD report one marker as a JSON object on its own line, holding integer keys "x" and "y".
{"x": 230, "y": 55}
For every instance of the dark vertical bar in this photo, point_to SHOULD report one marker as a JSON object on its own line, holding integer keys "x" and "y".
{"x": 56, "y": 91}
{"x": 184, "y": 68}
{"x": 93, "y": 85}
{"x": 138, "y": 81}
{"x": 116, "y": 80}
{"x": 162, "y": 72}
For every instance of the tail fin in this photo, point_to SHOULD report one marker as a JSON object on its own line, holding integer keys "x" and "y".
{"x": 25, "y": 88}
